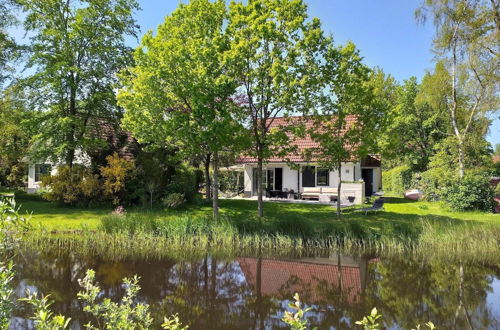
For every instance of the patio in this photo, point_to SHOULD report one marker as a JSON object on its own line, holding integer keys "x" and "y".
{"x": 291, "y": 201}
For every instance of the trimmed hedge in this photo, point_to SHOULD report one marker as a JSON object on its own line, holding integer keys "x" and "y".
{"x": 397, "y": 179}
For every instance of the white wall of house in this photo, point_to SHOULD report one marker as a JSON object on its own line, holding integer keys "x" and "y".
{"x": 81, "y": 158}
{"x": 33, "y": 183}
{"x": 292, "y": 179}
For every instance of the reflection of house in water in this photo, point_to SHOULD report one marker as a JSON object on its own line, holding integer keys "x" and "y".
{"x": 315, "y": 279}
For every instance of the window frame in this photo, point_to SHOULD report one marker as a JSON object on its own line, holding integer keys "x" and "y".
{"x": 42, "y": 170}
{"x": 327, "y": 177}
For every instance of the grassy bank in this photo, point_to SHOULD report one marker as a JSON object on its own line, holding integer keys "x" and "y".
{"x": 397, "y": 210}
{"x": 419, "y": 227}
{"x": 149, "y": 237}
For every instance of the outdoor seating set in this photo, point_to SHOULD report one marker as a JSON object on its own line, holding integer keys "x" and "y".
{"x": 285, "y": 194}
{"x": 323, "y": 194}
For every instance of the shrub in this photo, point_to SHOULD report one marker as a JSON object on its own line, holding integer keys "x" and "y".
{"x": 183, "y": 182}
{"x": 473, "y": 192}
{"x": 173, "y": 201}
{"x": 115, "y": 176}
{"x": 397, "y": 179}
{"x": 72, "y": 185}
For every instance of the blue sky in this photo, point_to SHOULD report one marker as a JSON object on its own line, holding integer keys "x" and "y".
{"x": 384, "y": 30}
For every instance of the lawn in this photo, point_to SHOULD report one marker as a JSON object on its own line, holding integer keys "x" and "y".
{"x": 397, "y": 210}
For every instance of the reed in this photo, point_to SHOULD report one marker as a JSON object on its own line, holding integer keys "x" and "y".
{"x": 188, "y": 237}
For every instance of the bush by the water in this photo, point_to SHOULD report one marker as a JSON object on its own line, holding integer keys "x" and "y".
{"x": 473, "y": 192}
{"x": 397, "y": 179}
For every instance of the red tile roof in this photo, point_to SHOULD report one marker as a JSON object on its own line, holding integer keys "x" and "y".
{"x": 301, "y": 143}
{"x": 281, "y": 279}
{"x": 496, "y": 159}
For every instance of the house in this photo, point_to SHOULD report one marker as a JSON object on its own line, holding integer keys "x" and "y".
{"x": 360, "y": 177}
{"x": 111, "y": 139}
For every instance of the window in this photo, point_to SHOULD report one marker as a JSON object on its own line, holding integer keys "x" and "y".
{"x": 322, "y": 177}
{"x": 308, "y": 176}
{"x": 270, "y": 179}
{"x": 42, "y": 170}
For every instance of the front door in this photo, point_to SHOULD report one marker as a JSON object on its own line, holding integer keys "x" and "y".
{"x": 367, "y": 175}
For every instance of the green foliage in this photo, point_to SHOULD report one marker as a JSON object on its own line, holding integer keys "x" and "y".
{"x": 76, "y": 49}
{"x": 473, "y": 192}
{"x": 173, "y": 200}
{"x": 6, "y": 292}
{"x": 43, "y": 317}
{"x": 126, "y": 314}
{"x": 397, "y": 180}
{"x": 173, "y": 323}
{"x": 412, "y": 126}
{"x": 14, "y": 137}
{"x": 75, "y": 185}
{"x": 370, "y": 322}
{"x": 115, "y": 176}
{"x": 497, "y": 149}
{"x": 466, "y": 72}
{"x": 275, "y": 53}
{"x": 296, "y": 319}
{"x": 11, "y": 219}
{"x": 9, "y": 50}
{"x": 183, "y": 182}
{"x": 231, "y": 182}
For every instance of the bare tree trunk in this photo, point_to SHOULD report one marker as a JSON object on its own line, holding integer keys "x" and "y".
{"x": 215, "y": 201}
{"x": 208, "y": 181}
{"x": 461, "y": 159}
{"x": 339, "y": 186}
{"x": 260, "y": 201}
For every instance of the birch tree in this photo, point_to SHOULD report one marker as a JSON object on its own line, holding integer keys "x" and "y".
{"x": 467, "y": 44}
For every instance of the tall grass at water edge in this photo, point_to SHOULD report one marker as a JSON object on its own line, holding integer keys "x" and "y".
{"x": 146, "y": 236}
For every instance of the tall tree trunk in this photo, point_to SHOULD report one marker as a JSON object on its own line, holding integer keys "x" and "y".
{"x": 461, "y": 159}
{"x": 215, "y": 201}
{"x": 260, "y": 202}
{"x": 339, "y": 186}
{"x": 208, "y": 181}
{"x": 70, "y": 136}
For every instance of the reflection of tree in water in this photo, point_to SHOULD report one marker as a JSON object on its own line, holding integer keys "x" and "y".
{"x": 210, "y": 294}
{"x": 409, "y": 291}
{"x": 253, "y": 292}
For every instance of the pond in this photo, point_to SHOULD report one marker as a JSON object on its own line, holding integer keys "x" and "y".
{"x": 251, "y": 292}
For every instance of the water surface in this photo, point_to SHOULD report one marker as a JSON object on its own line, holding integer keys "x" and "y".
{"x": 252, "y": 292}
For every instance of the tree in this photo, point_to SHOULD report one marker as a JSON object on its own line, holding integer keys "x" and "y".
{"x": 345, "y": 122}
{"x": 179, "y": 83}
{"x": 77, "y": 47}
{"x": 9, "y": 50}
{"x": 467, "y": 44}
{"x": 14, "y": 136}
{"x": 273, "y": 54}
{"x": 413, "y": 127}
{"x": 497, "y": 149}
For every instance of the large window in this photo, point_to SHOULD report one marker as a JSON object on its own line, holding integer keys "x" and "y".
{"x": 41, "y": 170}
{"x": 308, "y": 179}
{"x": 322, "y": 177}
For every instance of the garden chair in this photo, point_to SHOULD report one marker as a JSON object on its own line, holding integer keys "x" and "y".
{"x": 378, "y": 205}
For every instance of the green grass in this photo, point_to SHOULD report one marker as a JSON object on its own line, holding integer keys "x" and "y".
{"x": 397, "y": 211}
{"x": 404, "y": 225}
